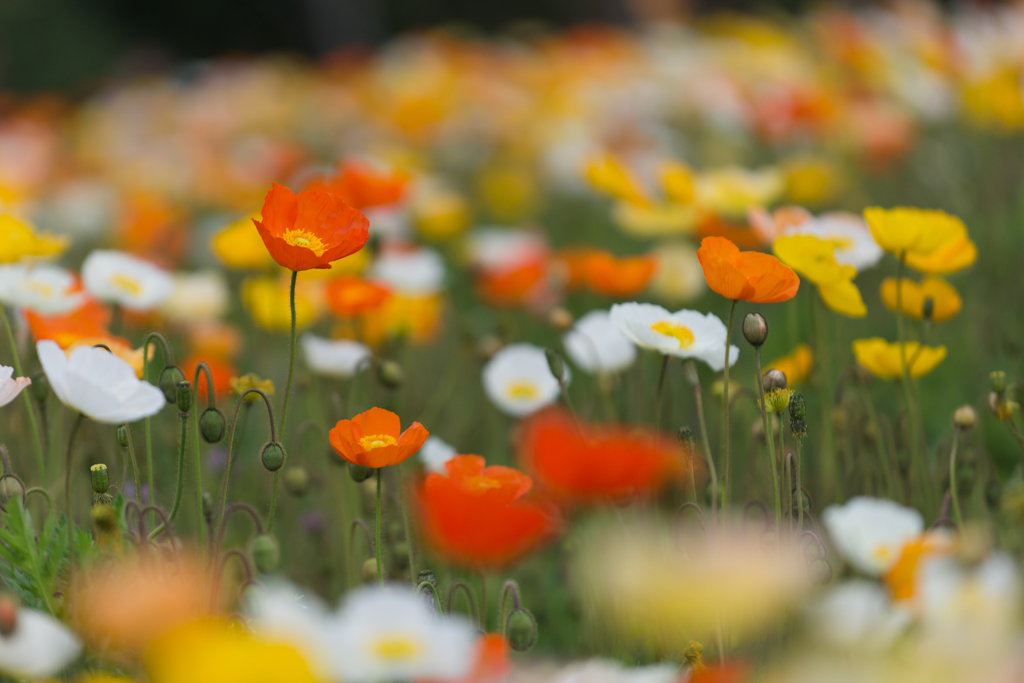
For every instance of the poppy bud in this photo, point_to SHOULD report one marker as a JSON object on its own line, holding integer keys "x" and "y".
{"x": 555, "y": 364}
{"x": 122, "y": 436}
{"x": 927, "y": 308}
{"x": 772, "y": 380}
{"x": 965, "y": 417}
{"x": 797, "y": 407}
{"x": 755, "y": 329}
{"x": 183, "y": 396}
{"x": 265, "y": 553}
{"x": 212, "y": 425}
{"x": 359, "y": 473}
{"x": 8, "y": 615}
{"x": 370, "y": 569}
{"x": 560, "y": 319}
{"x": 40, "y": 387}
{"x": 998, "y": 380}
{"x": 798, "y": 428}
{"x": 686, "y": 438}
{"x": 10, "y": 488}
{"x": 168, "y": 381}
{"x": 521, "y": 630}
{"x": 100, "y": 478}
{"x": 297, "y": 481}
{"x": 390, "y": 374}
{"x": 207, "y": 506}
{"x": 272, "y": 456}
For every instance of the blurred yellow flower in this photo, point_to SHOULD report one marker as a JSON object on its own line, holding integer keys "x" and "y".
{"x": 19, "y": 240}
{"x": 796, "y": 365}
{"x": 102, "y": 678}
{"x": 729, "y": 192}
{"x": 214, "y": 652}
{"x": 239, "y": 385}
{"x": 932, "y": 241}
{"x": 417, "y": 319}
{"x": 679, "y": 277}
{"x": 609, "y": 175}
{"x": 679, "y": 182}
{"x": 946, "y": 301}
{"x": 811, "y": 181}
{"x": 883, "y": 359}
{"x": 267, "y": 301}
{"x": 656, "y": 220}
{"x": 239, "y": 245}
{"x": 814, "y": 259}
{"x": 509, "y": 190}
{"x": 439, "y": 212}
{"x": 996, "y": 99}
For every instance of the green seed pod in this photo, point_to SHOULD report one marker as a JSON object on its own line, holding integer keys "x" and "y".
{"x": 359, "y": 473}
{"x": 265, "y": 553}
{"x": 390, "y": 374}
{"x": 797, "y": 407}
{"x": 297, "y": 480}
{"x": 212, "y": 425}
{"x": 755, "y": 329}
{"x": 11, "y": 487}
{"x": 183, "y": 396}
{"x": 555, "y": 364}
{"x": 272, "y": 456}
{"x": 370, "y": 569}
{"x": 40, "y": 387}
{"x": 100, "y": 478}
{"x": 207, "y": 506}
{"x": 168, "y": 381}
{"x": 521, "y": 630}
{"x": 122, "y": 436}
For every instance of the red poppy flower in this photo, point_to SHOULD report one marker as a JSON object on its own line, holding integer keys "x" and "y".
{"x": 475, "y": 515}
{"x": 375, "y": 439}
{"x": 310, "y": 229}
{"x": 88, "y": 321}
{"x": 595, "y": 463}
{"x": 363, "y": 186}
{"x": 348, "y": 296}
{"x": 619, "y": 278}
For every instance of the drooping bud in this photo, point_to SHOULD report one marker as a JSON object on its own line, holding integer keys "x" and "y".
{"x": 100, "y": 478}
{"x": 359, "y": 473}
{"x": 427, "y": 576}
{"x": 521, "y": 630}
{"x": 370, "y": 569}
{"x": 390, "y": 374}
{"x": 40, "y": 387}
{"x": 272, "y": 456}
{"x": 555, "y": 364}
{"x": 772, "y": 380}
{"x": 560, "y": 319}
{"x": 998, "y": 381}
{"x": 928, "y": 308}
{"x": 265, "y": 553}
{"x": 122, "y": 436}
{"x": 755, "y": 329}
{"x": 965, "y": 417}
{"x": 11, "y": 487}
{"x": 212, "y": 425}
{"x": 168, "y": 381}
{"x": 8, "y": 615}
{"x": 297, "y": 480}
{"x": 183, "y": 396}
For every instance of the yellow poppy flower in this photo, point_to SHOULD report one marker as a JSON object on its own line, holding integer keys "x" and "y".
{"x": 955, "y": 255}
{"x": 610, "y": 176}
{"x": 239, "y": 245}
{"x": 796, "y": 365}
{"x": 240, "y": 385}
{"x": 811, "y": 181}
{"x": 679, "y": 182}
{"x": 19, "y": 239}
{"x": 932, "y": 241}
{"x": 440, "y": 213}
{"x": 266, "y": 300}
{"x": 946, "y": 302}
{"x": 509, "y": 191}
{"x": 417, "y": 319}
{"x": 883, "y": 359}
{"x": 654, "y": 220}
{"x": 729, "y": 192}
{"x": 814, "y": 259}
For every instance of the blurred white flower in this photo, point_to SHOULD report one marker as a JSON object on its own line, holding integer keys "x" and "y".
{"x": 82, "y": 207}
{"x": 611, "y": 671}
{"x": 595, "y": 344}
{"x": 197, "y": 297}
{"x": 98, "y": 384}
{"x": 869, "y": 533}
{"x": 849, "y": 233}
{"x": 518, "y": 380}
{"x": 45, "y": 289}
{"x": 679, "y": 277}
{"x": 118, "y": 277}
{"x": 683, "y": 334}
{"x": 857, "y": 615}
{"x": 493, "y": 248}
{"x": 419, "y": 272}
{"x": 10, "y": 386}
{"x": 988, "y": 594}
{"x": 280, "y": 612}
{"x": 435, "y": 453}
{"x": 39, "y": 647}
{"x": 334, "y": 357}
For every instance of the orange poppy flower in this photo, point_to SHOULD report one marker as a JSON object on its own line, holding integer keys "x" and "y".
{"x": 475, "y": 515}
{"x": 88, "y": 321}
{"x": 310, "y": 229}
{"x": 221, "y": 372}
{"x": 743, "y": 235}
{"x": 362, "y": 186}
{"x": 349, "y": 296}
{"x": 575, "y": 263}
{"x": 513, "y": 286}
{"x": 747, "y": 275}
{"x": 375, "y": 439}
{"x": 597, "y": 463}
{"x": 619, "y": 278}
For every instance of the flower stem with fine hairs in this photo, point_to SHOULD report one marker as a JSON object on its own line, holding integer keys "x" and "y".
{"x": 917, "y": 465}
{"x": 231, "y": 441}
{"x": 147, "y": 422}
{"x": 182, "y": 440}
{"x": 41, "y": 460}
{"x": 699, "y": 399}
{"x": 287, "y": 397}
{"x": 200, "y": 367}
{"x": 726, "y": 459}
{"x": 769, "y": 439}
{"x": 135, "y": 464}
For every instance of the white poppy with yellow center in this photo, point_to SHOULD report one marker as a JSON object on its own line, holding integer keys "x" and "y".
{"x": 870, "y": 533}
{"x": 45, "y": 289}
{"x": 120, "y": 278}
{"x": 518, "y": 380}
{"x": 684, "y": 334}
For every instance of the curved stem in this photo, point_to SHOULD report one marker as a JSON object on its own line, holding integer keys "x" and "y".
{"x": 211, "y": 397}
{"x": 232, "y": 509}
{"x": 726, "y": 458}
{"x": 510, "y": 588}
{"x": 287, "y": 397}
{"x": 231, "y": 440}
{"x": 41, "y": 491}
{"x": 952, "y": 477}
{"x": 38, "y": 442}
{"x": 162, "y": 340}
{"x": 380, "y": 564}
{"x": 433, "y": 590}
{"x": 768, "y": 437}
{"x": 470, "y": 598}
{"x": 182, "y": 440}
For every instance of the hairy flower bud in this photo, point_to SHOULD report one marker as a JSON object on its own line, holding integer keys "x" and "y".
{"x": 686, "y": 438}
{"x": 370, "y": 569}
{"x": 772, "y": 380}
{"x": 521, "y": 630}
{"x": 212, "y": 425}
{"x": 122, "y": 436}
{"x": 797, "y": 407}
{"x": 272, "y": 456}
{"x": 183, "y": 396}
{"x": 11, "y": 487}
{"x": 40, "y": 387}
{"x": 297, "y": 480}
{"x": 359, "y": 473}
{"x": 965, "y": 417}
{"x": 998, "y": 381}
{"x": 168, "y": 381}
{"x": 390, "y": 374}
{"x": 265, "y": 553}
{"x": 100, "y": 478}
{"x": 755, "y": 329}
{"x": 555, "y": 364}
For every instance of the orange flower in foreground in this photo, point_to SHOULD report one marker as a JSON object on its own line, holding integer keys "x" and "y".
{"x": 349, "y": 296}
{"x": 310, "y": 229}
{"x": 747, "y": 275}
{"x": 597, "y": 463}
{"x": 476, "y": 516}
{"x": 362, "y": 186}
{"x": 619, "y": 278}
{"x": 375, "y": 439}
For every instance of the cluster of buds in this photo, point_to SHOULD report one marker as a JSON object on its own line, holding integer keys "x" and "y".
{"x": 999, "y": 401}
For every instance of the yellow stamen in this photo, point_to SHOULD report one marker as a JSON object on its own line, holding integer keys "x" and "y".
{"x": 396, "y": 648}
{"x": 480, "y": 484}
{"x": 670, "y": 328}
{"x": 38, "y": 287}
{"x": 306, "y": 240}
{"x": 127, "y": 283}
{"x": 522, "y": 390}
{"x": 375, "y": 441}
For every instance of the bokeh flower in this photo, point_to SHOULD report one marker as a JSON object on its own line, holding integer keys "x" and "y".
{"x": 518, "y": 380}
{"x": 47, "y": 289}
{"x": 19, "y": 239}
{"x": 932, "y": 242}
{"x": 870, "y": 533}
{"x": 597, "y": 346}
{"x": 619, "y": 277}
{"x": 120, "y": 278}
{"x": 238, "y": 246}
{"x": 885, "y": 359}
{"x": 945, "y": 300}
{"x": 334, "y": 357}
{"x": 683, "y": 334}
{"x": 38, "y": 647}
{"x": 196, "y": 297}
{"x": 436, "y": 452}
{"x": 268, "y": 301}
{"x": 679, "y": 277}
{"x": 748, "y": 275}
{"x": 375, "y": 439}
{"x": 11, "y": 386}
{"x": 348, "y": 296}
{"x": 814, "y": 259}
{"x": 796, "y": 365}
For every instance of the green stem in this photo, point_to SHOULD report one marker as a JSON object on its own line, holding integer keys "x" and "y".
{"x": 135, "y": 465}
{"x": 40, "y": 459}
{"x": 883, "y": 454}
{"x": 657, "y": 396}
{"x": 917, "y": 466}
{"x": 182, "y": 441}
{"x": 799, "y": 489}
{"x": 287, "y": 397}
{"x": 67, "y": 463}
{"x": 726, "y": 408}
{"x": 377, "y": 546}
{"x": 42, "y": 492}
{"x": 405, "y": 522}
{"x": 952, "y": 477}
{"x": 212, "y": 399}
{"x": 766, "y": 422}
{"x": 698, "y": 396}
{"x": 152, "y": 336}
{"x": 828, "y": 451}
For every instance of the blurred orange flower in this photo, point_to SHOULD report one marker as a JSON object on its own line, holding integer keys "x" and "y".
{"x": 619, "y": 278}
{"x": 374, "y": 439}
{"x": 310, "y": 229}
{"x": 89, "y": 320}
{"x": 363, "y": 186}
{"x": 512, "y": 287}
{"x": 747, "y": 275}
{"x": 221, "y": 372}
{"x": 349, "y": 296}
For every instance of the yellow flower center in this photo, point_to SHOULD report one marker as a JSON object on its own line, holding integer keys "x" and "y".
{"x": 396, "y": 648}
{"x": 375, "y": 441}
{"x": 522, "y": 391}
{"x": 127, "y": 283}
{"x": 480, "y": 484}
{"x": 306, "y": 240}
{"x": 670, "y": 328}
{"x": 882, "y": 553}
{"x": 38, "y": 287}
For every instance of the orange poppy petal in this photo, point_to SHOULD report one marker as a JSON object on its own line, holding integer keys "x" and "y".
{"x": 717, "y": 256}
{"x": 344, "y": 442}
{"x": 290, "y": 256}
{"x": 381, "y": 457}
{"x": 465, "y": 466}
{"x": 772, "y": 280}
{"x": 412, "y": 439}
{"x": 280, "y": 209}
{"x": 376, "y": 421}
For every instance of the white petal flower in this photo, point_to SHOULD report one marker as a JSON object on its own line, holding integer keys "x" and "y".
{"x": 98, "y": 384}
{"x": 10, "y": 386}
{"x": 870, "y": 533}
{"x": 493, "y": 248}
{"x": 857, "y": 615}
{"x": 121, "y": 278}
{"x": 410, "y": 273}
{"x": 518, "y": 380}
{"x": 684, "y": 334}
{"x": 595, "y": 344}
{"x": 390, "y": 633}
{"x": 197, "y": 297}
{"x": 43, "y": 288}
{"x": 435, "y": 453}
{"x": 611, "y": 671}
{"x": 989, "y": 594}
{"x": 850, "y": 233}
{"x": 280, "y": 612}
{"x": 39, "y": 647}
{"x": 334, "y": 357}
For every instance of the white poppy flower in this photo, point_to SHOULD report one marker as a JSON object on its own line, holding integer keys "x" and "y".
{"x": 43, "y": 288}
{"x": 10, "y": 386}
{"x": 870, "y": 533}
{"x": 435, "y": 453}
{"x": 121, "y": 278}
{"x": 410, "y": 273}
{"x": 196, "y": 297}
{"x": 518, "y": 380}
{"x": 334, "y": 358}
{"x": 98, "y": 384}
{"x": 857, "y": 615}
{"x": 493, "y": 248}
{"x": 39, "y": 647}
{"x": 595, "y": 344}
{"x": 684, "y": 334}
{"x": 988, "y": 594}
{"x": 611, "y": 671}
{"x": 850, "y": 233}
{"x": 279, "y": 612}
{"x": 390, "y": 633}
